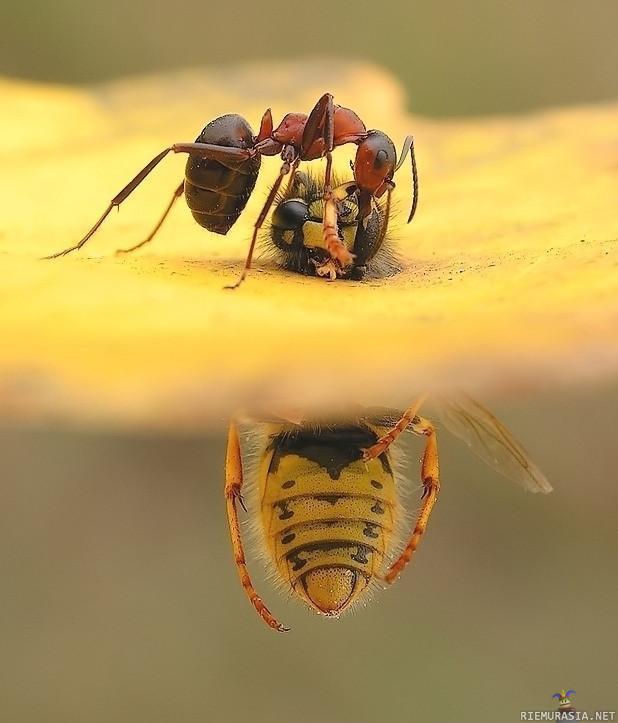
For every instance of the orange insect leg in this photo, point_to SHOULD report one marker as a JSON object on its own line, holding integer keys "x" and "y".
{"x": 386, "y": 440}
{"x": 430, "y": 475}
{"x": 233, "y": 488}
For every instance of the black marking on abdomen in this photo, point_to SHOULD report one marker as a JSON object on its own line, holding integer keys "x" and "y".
{"x": 327, "y": 545}
{"x": 333, "y": 448}
{"x": 297, "y": 562}
{"x": 285, "y": 512}
{"x": 378, "y": 509}
{"x": 360, "y": 555}
{"x": 376, "y": 484}
{"x": 288, "y": 537}
{"x": 288, "y": 484}
{"x": 370, "y": 529}
{"x": 331, "y": 499}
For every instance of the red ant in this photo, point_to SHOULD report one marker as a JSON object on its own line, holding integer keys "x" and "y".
{"x": 224, "y": 163}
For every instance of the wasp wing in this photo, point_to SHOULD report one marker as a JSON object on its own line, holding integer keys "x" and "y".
{"x": 490, "y": 440}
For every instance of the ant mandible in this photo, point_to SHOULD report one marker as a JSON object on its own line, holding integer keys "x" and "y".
{"x": 224, "y": 163}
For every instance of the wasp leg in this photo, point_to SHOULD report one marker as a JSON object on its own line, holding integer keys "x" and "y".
{"x": 233, "y": 487}
{"x": 202, "y": 150}
{"x": 384, "y": 442}
{"x": 430, "y": 475}
{"x": 285, "y": 169}
{"x": 177, "y": 194}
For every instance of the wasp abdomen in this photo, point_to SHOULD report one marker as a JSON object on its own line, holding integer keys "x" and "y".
{"x": 328, "y": 516}
{"x": 217, "y": 191}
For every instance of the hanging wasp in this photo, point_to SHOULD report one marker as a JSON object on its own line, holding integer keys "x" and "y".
{"x": 224, "y": 163}
{"x": 329, "y": 496}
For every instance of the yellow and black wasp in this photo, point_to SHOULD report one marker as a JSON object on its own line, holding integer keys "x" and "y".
{"x": 295, "y": 241}
{"x": 327, "y": 496}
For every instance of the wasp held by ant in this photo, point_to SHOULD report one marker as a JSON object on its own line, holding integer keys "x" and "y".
{"x": 224, "y": 163}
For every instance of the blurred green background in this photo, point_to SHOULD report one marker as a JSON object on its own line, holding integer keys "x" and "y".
{"x": 121, "y": 602}
{"x": 454, "y": 57}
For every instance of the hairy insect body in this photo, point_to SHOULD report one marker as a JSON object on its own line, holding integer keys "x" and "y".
{"x": 224, "y": 162}
{"x": 327, "y": 516}
{"x": 217, "y": 191}
{"x": 325, "y": 496}
{"x": 299, "y": 244}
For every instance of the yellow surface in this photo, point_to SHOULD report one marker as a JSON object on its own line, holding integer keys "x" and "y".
{"x": 511, "y": 264}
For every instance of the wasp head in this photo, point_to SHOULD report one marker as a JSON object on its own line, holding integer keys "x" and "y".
{"x": 296, "y": 229}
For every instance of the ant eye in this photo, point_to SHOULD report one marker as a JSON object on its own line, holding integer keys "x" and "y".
{"x": 290, "y": 214}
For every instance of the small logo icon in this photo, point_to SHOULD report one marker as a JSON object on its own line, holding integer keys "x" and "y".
{"x": 564, "y": 700}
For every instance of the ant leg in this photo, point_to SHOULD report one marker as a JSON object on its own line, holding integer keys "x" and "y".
{"x": 321, "y": 123}
{"x": 330, "y": 230}
{"x": 288, "y": 188}
{"x": 266, "y": 126}
{"x": 430, "y": 475}
{"x": 316, "y": 124}
{"x": 384, "y": 442}
{"x": 177, "y": 194}
{"x": 201, "y": 150}
{"x": 116, "y": 201}
{"x": 285, "y": 169}
{"x": 233, "y": 487}
{"x": 408, "y": 147}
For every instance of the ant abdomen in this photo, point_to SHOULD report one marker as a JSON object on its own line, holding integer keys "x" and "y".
{"x": 217, "y": 191}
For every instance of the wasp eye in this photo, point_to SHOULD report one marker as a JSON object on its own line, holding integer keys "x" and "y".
{"x": 290, "y": 214}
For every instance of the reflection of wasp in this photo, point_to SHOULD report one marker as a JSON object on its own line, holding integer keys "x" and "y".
{"x": 224, "y": 162}
{"x": 297, "y": 243}
{"x": 564, "y": 702}
{"x": 328, "y": 497}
